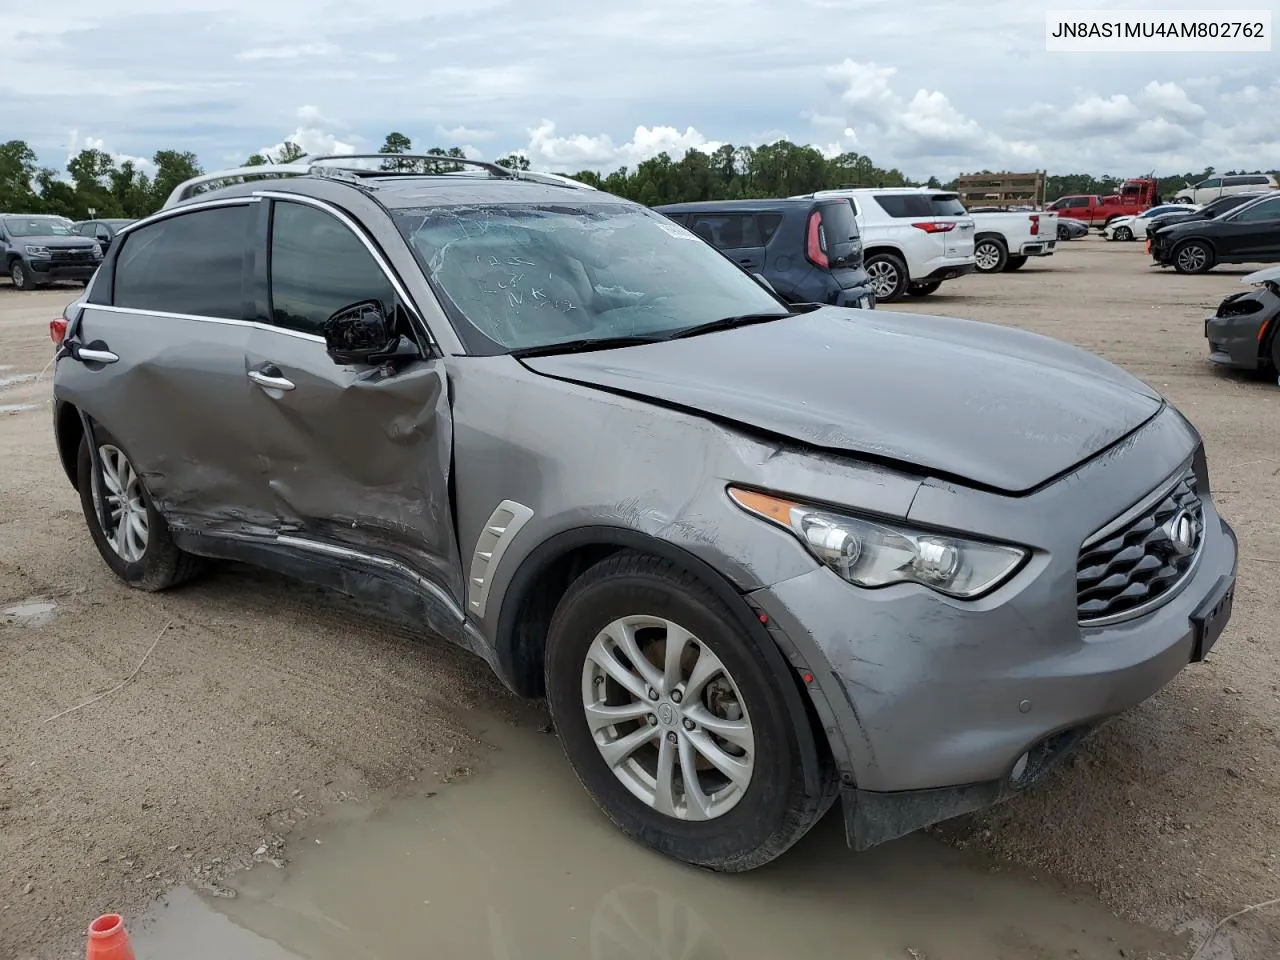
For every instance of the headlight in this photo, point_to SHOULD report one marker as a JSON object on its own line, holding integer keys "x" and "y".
{"x": 97, "y": 250}
{"x": 876, "y": 554}
{"x": 34, "y": 251}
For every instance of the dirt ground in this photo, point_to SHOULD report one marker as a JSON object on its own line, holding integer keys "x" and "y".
{"x": 261, "y": 703}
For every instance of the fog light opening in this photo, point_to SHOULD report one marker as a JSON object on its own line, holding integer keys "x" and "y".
{"x": 1019, "y": 768}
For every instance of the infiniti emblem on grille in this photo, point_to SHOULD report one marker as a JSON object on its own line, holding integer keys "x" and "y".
{"x": 1181, "y": 531}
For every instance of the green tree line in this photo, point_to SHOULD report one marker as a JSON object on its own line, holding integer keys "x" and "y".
{"x": 96, "y": 185}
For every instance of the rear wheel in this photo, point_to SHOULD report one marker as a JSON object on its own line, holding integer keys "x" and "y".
{"x": 671, "y": 718}
{"x": 924, "y": 288}
{"x": 1063, "y": 233}
{"x": 991, "y": 254}
{"x": 1015, "y": 263}
{"x": 128, "y": 531}
{"x": 889, "y": 278}
{"x": 1192, "y": 257}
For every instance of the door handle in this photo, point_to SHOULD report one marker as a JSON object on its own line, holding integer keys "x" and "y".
{"x": 85, "y": 354}
{"x": 269, "y": 378}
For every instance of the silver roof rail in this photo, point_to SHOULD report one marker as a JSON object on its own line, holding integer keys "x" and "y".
{"x": 188, "y": 188}
{"x": 324, "y": 166}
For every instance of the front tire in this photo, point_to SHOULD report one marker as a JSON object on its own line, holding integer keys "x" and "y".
{"x": 20, "y": 277}
{"x": 135, "y": 541}
{"x": 1193, "y": 257}
{"x": 889, "y": 277}
{"x": 693, "y": 754}
{"x": 1015, "y": 263}
{"x": 924, "y": 288}
{"x": 1122, "y": 233}
{"x": 991, "y": 254}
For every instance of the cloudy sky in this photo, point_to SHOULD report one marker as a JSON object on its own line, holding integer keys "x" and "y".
{"x": 931, "y": 87}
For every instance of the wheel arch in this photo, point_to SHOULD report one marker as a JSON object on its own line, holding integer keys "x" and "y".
{"x": 992, "y": 235}
{"x": 68, "y": 431}
{"x": 547, "y": 571}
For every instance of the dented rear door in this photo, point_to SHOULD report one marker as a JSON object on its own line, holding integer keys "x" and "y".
{"x": 170, "y": 316}
{"x": 352, "y": 458}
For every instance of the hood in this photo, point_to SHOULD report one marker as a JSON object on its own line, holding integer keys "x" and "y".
{"x": 60, "y": 242}
{"x": 993, "y": 406}
{"x": 1265, "y": 275}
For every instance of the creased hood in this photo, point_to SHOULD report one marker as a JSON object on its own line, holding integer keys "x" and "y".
{"x": 993, "y": 405}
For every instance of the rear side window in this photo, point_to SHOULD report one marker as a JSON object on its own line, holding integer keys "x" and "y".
{"x": 903, "y": 205}
{"x": 728, "y": 231}
{"x": 768, "y": 224}
{"x": 192, "y": 263}
{"x": 946, "y": 205}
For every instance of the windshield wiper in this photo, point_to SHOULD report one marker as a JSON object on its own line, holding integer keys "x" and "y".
{"x": 585, "y": 344}
{"x": 728, "y": 323}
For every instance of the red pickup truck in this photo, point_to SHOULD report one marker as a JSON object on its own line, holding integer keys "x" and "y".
{"x": 1134, "y": 197}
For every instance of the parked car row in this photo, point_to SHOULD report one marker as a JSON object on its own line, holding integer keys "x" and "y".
{"x": 1249, "y": 233}
{"x": 858, "y": 247}
{"x": 758, "y": 559}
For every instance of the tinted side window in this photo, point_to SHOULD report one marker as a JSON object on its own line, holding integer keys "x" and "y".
{"x": 87, "y": 229}
{"x": 728, "y": 231}
{"x": 902, "y": 205}
{"x": 190, "y": 263}
{"x": 946, "y": 205}
{"x": 767, "y": 224}
{"x": 1266, "y": 210}
{"x": 318, "y": 267}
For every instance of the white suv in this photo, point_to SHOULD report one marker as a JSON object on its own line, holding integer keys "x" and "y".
{"x": 913, "y": 238}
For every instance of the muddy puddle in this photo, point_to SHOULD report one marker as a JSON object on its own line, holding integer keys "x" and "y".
{"x": 516, "y": 863}
{"x": 31, "y": 613}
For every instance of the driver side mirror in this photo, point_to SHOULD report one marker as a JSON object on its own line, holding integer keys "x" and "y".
{"x": 363, "y": 333}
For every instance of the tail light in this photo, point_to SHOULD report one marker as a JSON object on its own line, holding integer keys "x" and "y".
{"x": 1035, "y": 224}
{"x": 813, "y": 242}
{"x": 58, "y": 331}
{"x": 1263, "y": 328}
{"x": 935, "y": 226}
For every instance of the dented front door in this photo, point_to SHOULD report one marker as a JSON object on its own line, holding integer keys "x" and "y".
{"x": 354, "y": 459}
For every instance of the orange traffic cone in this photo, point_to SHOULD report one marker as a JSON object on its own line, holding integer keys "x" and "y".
{"x": 107, "y": 939}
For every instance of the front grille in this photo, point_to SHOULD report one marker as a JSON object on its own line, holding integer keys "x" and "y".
{"x": 1131, "y": 564}
{"x": 72, "y": 256}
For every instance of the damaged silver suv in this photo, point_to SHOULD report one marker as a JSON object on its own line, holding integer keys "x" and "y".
{"x": 756, "y": 556}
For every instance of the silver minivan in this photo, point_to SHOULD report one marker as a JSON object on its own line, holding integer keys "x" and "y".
{"x": 756, "y": 556}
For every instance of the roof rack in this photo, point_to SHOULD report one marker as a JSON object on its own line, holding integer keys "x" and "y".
{"x": 322, "y": 166}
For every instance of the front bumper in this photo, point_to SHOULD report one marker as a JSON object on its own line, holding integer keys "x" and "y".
{"x": 1236, "y": 342}
{"x": 44, "y": 270}
{"x": 932, "y": 706}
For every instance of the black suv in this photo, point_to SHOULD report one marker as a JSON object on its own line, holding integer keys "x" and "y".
{"x": 1248, "y": 234}
{"x": 809, "y": 249}
{"x": 37, "y": 249}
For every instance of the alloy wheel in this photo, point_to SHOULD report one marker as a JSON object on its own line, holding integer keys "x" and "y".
{"x": 667, "y": 718}
{"x": 1192, "y": 258}
{"x": 884, "y": 278}
{"x": 987, "y": 256}
{"x": 121, "y": 497}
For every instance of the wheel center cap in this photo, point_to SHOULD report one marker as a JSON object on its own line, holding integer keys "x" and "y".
{"x": 667, "y": 715}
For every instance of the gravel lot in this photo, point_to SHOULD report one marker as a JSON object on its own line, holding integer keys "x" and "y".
{"x": 264, "y": 702}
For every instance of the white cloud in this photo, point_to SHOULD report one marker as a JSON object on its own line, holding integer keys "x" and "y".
{"x": 600, "y": 152}
{"x": 455, "y": 134}
{"x": 1094, "y": 115}
{"x": 315, "y": 135}
{"x": 76, "y": 143}
{"x": 295, "y": 52}
{"x": 1171, "y": 102}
